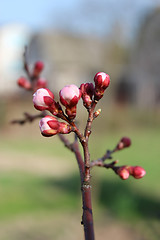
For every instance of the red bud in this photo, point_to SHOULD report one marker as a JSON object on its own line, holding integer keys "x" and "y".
{"x": 137, "y": 171}
{"x": 23, "y": 82}
{"x": 38, "y": 67}
{"x": 123, "y": 143}
{"x": 123, "y": 172}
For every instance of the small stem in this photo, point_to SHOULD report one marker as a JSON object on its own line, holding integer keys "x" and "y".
{"x": 90, "y": 120}
{"x": 25, "y": 63}
{"x": 100, "y": 161}
{"x": 28, "y": 118}
{"x": 87, "y": 217}
{"x": 79, "y": 160}
{"x": 102, "y": 164}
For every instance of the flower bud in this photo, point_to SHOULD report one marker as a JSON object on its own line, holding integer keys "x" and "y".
{"x": 40, "y": 83}
{"x": 102, "y": 81}
{"x": 38, "y": 67}
{"x": 23, "y": 82}
{"x": 123, "y": 172}
{"x": 64, "y": 128}
{"x": 49, "y": 126}
{"x": 137, "y": 171}
{"x": 123, "y": 143}
{"x": 87, "y": 90}
{"x": 43, "y": 99}
{"x": 70, "y": 95}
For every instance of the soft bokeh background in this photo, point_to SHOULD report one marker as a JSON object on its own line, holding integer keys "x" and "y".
{"x": 39, "y": 182}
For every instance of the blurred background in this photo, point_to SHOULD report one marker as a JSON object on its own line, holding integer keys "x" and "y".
{"x": 39, "y": 182}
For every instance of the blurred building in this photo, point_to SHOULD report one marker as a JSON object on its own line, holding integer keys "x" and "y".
{"x": 69, "y": 59}
{"x": 145, "y": 62}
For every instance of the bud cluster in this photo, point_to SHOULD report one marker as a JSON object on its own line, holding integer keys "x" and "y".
{"x": 125, "y": 171}
{"x": 69, "y": 95}
{"x": 43, "y": 99}
{"x": 92, "y": 93}
{"x": 34, "y": 80}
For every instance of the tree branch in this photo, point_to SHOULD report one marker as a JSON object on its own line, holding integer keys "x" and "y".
{"x": 28, "y": 118}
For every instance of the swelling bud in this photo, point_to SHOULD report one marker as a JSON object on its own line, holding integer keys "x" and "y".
{"x": 102, "y": 81}
{"x": 123, "y": 143}
{"x": 24, "y": 83}
{"x": 87, "y": 90}
{"x": 137, "y": 171}
{"x": 43, "y": 98}
{"x": 49, "y": 126}
{"x": 38, "y": 67}
{"x": 69, "y": 97}
{"x": 40, "y": 83}
{"x": 123, "y": 172}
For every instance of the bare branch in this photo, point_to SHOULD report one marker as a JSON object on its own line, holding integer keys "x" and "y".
{"x": 28, "y": 118}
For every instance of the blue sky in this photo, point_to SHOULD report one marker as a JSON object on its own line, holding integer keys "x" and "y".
{"x": 84, "y": 16}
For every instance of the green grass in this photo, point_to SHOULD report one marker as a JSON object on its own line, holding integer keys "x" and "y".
{"x": 24, "y": 193}
{"x": 21, "y": 192}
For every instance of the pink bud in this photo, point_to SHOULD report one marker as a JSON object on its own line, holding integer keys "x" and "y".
{"x": 87, "y": 90}
{"x": 23, "y": 82}
{"x": 49, "y": 126}
{"x": 43, "y": 98}
{"x": 123, "y": 143}
{"x": 102, "y": 81}
{"x": 70, "y": 95}
{"x": 41, "y": 83}
{"x": 123, "y": 172}
{"x": 137, "y": 171}
{"x": 38, "y": 67}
